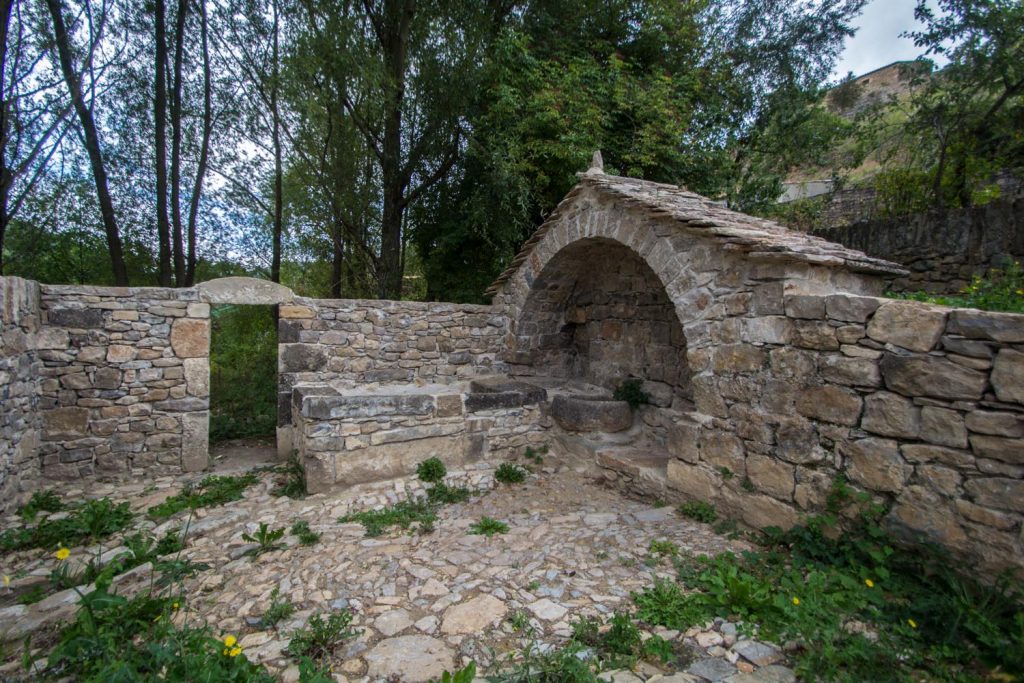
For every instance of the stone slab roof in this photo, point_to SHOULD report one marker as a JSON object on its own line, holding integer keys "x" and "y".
{"x": 758, "y": 238}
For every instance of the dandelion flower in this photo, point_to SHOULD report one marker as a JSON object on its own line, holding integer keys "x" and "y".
{"x": 235, "y": 651}
{"x": 913, "y": 624}
{"x": 175, "y": 605}
{"x": 869, "y": 583}
{"x": 796, "y": 601}
{"x": 229, "y": 641}
{"x": 62, "y": 554}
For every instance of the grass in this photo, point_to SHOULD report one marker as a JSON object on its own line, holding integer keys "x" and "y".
{"x": 211, "y": 491}
{"x": 88, "y": 521}
{"x": 402, "y": 515}
{"x": 699, "y": 511}
{"x": 488, "y": 527}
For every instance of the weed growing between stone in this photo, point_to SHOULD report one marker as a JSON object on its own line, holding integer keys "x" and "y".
{"x": 402, "y": 515}
{"x": 318, "y": 639}
{"x": 211, "y": 491}
{"x": 488, "y": 527}
{"x": 294, "y": 483}
{"x": 856, "y": 607}
{"x": 630, "y": 392}
{"x": 431, "y": 470}
{"x": 265, "y": 538}
{"x": 509, "y": 473}
{"x": 89, "y": 521}
{"x": 536, "y": 456}
{"x": 698, "y": 510}
{"x": 46, "y": 500}
{"x": 306, "y": 536}
{"x": 277, "y": 611}
{"x": 442, "y": 494}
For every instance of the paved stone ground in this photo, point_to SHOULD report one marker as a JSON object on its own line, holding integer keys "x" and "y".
{"x": 425, "y": 603}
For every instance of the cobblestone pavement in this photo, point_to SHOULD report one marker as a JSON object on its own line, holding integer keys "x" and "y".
{"x": 427, "y": 602}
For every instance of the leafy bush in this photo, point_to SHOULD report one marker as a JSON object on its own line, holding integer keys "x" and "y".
{"x": 211, "y": 491}
{"x": 243, "y": 372}
{"x": 431, "y": 470}
{"x": 508, "y": 473}
{"x": 488, "y": 527}
{"x": 88, "y": 521}
{"x": 699, "y": 511}
{"x": 630, "y": 392}
{"x": 998, "y": 290}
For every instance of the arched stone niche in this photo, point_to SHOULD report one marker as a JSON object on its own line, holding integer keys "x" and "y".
{"x": 599, "y": 313}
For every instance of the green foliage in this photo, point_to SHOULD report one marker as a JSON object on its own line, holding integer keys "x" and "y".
{"x": 747, "y": 485}
{"x": 294, "y": 484}
{"x": 306, "y": 535}
{"x": 519, "y": 620}
{"x": 666, "y": 604}
{"x": 567, "y": 664}
{"x": 45, "y": 500}
{"x": 212, "y": 491}
{"x": 998, "y": 290}
{"x": 431, "y": 470}
{"x": 114, "y": 638}
{"x": 88, "y": 521}
{"x": 537, "y": 456}
{"x": 278, "y": 610}
{"x": 699, "y": 510}
{"x": 402, "y": 515}
{"x": 442, "y": 494}
{"x": 663, "y": 549}
{"x": 726, "y": 473}
{"x": 630, "y": 392}
{"x": 464, "y": 675}
{"x": 320, "y": 636}
{"x": 33, "y": 595}
{"x": 266, "y": 538}
{"x": 243, "y": 372}
{"x": 488, "y": 527}
{"x": 509, "y": 473}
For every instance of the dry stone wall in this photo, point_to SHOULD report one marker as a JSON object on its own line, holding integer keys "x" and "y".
{"x": 19, "y": 390}
{"x": 921, "y": 406}
{"x": 124, "y": 380}
{"x": 348, "y": 342}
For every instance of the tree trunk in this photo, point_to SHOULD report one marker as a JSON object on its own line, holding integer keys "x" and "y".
{"x": 92, "y": 143}
{"x": 275, "y": 112}
{"x": 163, "y": 226}
{"x": 394, "y": 38}
{"x": 337, "y": 260}
{"x": 6, "y": 174}
{"x": 179, "y": 57}
{"x": 204, "y": 150}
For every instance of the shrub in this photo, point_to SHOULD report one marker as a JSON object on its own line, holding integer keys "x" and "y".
{"x": 630, "y": 392}
{"x": 699, "y": 511}
{"x": 508, "y": 473}
{"x": 998, "y": 290}
{"x": 431, "y": 470}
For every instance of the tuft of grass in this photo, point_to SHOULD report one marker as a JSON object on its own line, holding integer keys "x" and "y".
{"x": 211, "y": 491}
{"x": 699, "y": 510}
{"x": 278, "y": 610}
{"x": 508, "y": 473}
{"x": 402, "y": 515}
{"x": 320, "y": 636}
{"x": 488, "y": 527}
{"x": 306, "y": 535}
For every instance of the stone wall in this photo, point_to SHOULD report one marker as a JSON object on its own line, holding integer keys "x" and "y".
{"x": 351, "y": 438}
{"x": 941, "y": 250}
{"x": 349, "y": 342}
{"x": 19, "y": 390}
{"x": 124, "y": 380}
{"x": 922, "y": 406}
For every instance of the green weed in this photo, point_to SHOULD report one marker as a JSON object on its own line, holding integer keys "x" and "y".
{"x": 320, "y": 636}
{"x": 278, "y": 610}
{"x": 46, "y": 500}
{"x": 630, "y": 392}
{"x": 508, "y": 473}
{"x": 211, "y": 491}
{"x": 402, "y": 515}
{"x": 294, "y": 483}
{"x": 265, "y": 538}
{"x": 488, "y": 527}
{"x": 307, "y": 536}
{"x": 89, "y": 521}
{"x": 431, "y": 470}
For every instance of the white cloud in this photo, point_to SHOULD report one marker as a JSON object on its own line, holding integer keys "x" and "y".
{"x": 878, "y": 41}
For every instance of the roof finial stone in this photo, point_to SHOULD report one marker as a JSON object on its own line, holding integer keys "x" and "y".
{"x": 596, "y": 163}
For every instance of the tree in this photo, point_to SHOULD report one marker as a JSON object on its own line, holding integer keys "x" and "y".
{"x": 73, "y": 81}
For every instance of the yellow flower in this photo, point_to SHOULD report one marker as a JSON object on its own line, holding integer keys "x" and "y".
{"x": 796, "y": 601}
{"x": 230, "y": 641}
{"x": 235, "y": 651}
{"x": 7, "y": 581}
{"x": 1021, "y": 292}
{"x": 175, "y": 605}
{"x": 913, "y": 624}
{"x": 225, "y": 651}
{"x": 869, "y": 583}
{"x": 62, "y": 554}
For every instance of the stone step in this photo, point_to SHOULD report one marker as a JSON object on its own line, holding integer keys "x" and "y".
{"x": 648, "y": 463}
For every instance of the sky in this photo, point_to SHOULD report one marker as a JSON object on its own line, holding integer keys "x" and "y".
{"x": 877, "y": 41}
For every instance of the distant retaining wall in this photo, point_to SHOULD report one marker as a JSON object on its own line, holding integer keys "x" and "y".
{"x": 941, "y": 250}
{"x": 19, "y": 390}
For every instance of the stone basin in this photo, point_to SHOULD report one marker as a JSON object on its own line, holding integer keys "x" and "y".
{"x": 591, "y": 413}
